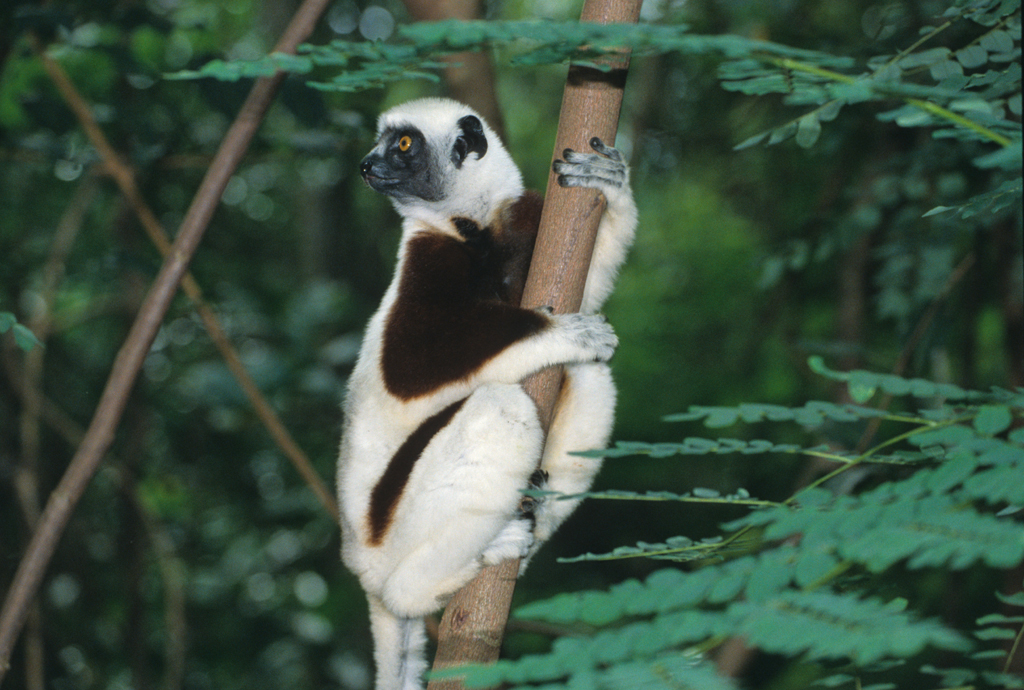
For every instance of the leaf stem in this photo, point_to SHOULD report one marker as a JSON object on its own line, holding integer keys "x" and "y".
{"x": 931, "y": 108}
{"x": 939, "y": 111}
{"x": 921, "y": 41}
{"x": 723, "y": 500}
{"x": 1013, "y": 649}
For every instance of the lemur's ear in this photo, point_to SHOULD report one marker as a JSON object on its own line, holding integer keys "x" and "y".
{"x": 472, "y": 140}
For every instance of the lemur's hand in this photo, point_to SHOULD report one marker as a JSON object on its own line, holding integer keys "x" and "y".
{"x": 605, "y": 170}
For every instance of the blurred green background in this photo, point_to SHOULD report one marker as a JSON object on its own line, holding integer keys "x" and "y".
{"x": 198, "y": 558}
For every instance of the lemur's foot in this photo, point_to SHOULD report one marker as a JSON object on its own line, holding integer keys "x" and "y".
{"x": 528, "y": 505}
{"x": 514, "y": 541}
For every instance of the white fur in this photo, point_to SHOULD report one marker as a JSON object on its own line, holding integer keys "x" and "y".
{"x": 458, "y": 509}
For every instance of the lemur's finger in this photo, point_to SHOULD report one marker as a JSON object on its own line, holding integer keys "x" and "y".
{"x": 606, "y": 168}
{"x": 605, "y": 150}
{"x": 588, "y": 175}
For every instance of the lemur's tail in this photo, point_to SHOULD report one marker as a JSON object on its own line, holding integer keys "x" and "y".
{"x": 398, "y": 649}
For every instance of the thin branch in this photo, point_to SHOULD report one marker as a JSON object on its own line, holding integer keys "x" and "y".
{"x": 26, "y": 478}
{"x": 124, "y": 176}
{"x": 473, "y": 623}
{"x": 129, "y": 360}
{"x": 173, "y": 578}
{"x": 168, "y": 562}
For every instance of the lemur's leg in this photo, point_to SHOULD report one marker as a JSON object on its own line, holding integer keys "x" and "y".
{"x": 583, "y": 421}
{"x": 607, "y": 172}
{"x": 461, "y": 505}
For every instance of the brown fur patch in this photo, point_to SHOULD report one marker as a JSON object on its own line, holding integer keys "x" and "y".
{"x": 516, "y": 235}
{"x": 389, "y": 488}
{"x": 454, "y": 310}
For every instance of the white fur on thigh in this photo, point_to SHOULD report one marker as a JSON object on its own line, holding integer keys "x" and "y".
{"x": 583, "y": 421}
{"x": 463, "y": 492}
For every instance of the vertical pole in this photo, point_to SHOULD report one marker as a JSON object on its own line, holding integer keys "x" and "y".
{"x": 473, "y": 623}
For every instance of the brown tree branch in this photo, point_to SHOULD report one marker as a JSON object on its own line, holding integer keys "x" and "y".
{"x": 133, "y": 353}
{"x": 473, "y": 622}
{"x": 169, "y": 564}
{"x": 26, "y": 478}
{"x": 124, "y": 177}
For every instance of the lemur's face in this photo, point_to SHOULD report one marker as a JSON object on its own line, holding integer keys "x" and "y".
{"x": 407, "y": 165}
{"x": 401, "y": 166}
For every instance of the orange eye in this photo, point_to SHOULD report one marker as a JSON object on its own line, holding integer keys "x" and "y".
{"x": 405, "y": 143}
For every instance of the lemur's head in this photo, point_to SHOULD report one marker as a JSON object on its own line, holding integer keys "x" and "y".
{"x": 438, "y": 159}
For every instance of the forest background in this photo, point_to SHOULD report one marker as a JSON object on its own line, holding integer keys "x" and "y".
{"x": 199, "y": 558}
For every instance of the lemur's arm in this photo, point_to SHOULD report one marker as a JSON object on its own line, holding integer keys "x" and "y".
{"x": 607, "y": 172}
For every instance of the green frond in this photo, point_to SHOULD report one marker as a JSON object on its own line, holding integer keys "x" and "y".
{"x": 812, "y": 415}
{"x": 778, "y": 577}
{"x": 825, "y": 625}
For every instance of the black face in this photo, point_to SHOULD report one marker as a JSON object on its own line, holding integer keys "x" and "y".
{"x": 408, "y": 169}
{"x": 404, "y": 169}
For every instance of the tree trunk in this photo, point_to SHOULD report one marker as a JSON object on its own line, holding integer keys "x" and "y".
{"x": 473, "y": 623}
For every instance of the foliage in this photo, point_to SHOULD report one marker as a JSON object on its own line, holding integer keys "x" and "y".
{"x": 974, "y": 107}
{"x": 977, "y": 107}
{"x": 197, "y": 559}
{"x": 799, "y": 578}
{"x": 23, "y": 336}
{"x": 418, "y": 48}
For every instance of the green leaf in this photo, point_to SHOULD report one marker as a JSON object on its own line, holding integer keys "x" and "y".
{"x": 1006, "y": 195}
{"x": 995, "y": 634}
{"x": 25, "y": 338}
{"x": 945, "y": 69}
{"x": 972, "y": 56}
{"x": 782, "y": 133}
{"x": 993, "y": 419}
{"x": 924, "y": 58}
{"x": 771, "y": 574}
{"x": 1005, "y": 158}
{"x": 731, "y": 582}
{"x": 812, "y": 565}
{"x": 751, "y": 141}
{"x": 861, "y": 392}
{"x": 997, "y": 41}
{"x": 894, "y": 385}
{"x": 720, "y": 417}
{"x": 808, "y": 130}
{"x": 951, "y": 472}
{"x": 1016, "y": 599}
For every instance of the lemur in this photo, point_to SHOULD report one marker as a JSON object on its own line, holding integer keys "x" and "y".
{"x": 439, "y": 438}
